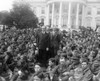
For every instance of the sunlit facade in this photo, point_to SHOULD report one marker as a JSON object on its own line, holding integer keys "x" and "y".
{"x": 68, "y": 14}
{"x": 92, "y": 14}
{"x": 65, "y": 14}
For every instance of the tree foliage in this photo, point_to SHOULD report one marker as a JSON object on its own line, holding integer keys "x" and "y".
{"x": 21, "y": 16}
{"x": 3, "y": 15}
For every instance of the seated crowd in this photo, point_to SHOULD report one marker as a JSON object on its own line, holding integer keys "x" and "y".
{"x": 76, "y": 60}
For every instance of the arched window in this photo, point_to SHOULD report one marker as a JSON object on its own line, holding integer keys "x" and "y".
{"x": 57, "y": 6}
{"x": 89, "y": 11}
{"x": 65, "y": 7}
{"x": 74, "y": 8}
{"x": 43, "y": 10}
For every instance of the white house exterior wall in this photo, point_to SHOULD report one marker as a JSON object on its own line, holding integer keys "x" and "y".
{"x": 80, "y": 19}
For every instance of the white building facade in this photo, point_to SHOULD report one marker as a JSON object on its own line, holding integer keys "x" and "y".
{"x": 68, "y": 14}
{"x": 92, "y": 14}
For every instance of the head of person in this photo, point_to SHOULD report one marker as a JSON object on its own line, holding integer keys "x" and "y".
{"x": 90, "y": 57}
{"x": 84, "y": 64}
{"x": 9, "y": 49}
{"x": 62, "y": 59}
{"x": 50, "y": 30}
{"x": 43, "y": 30}
{"x": 36, "y": 78}
{"x": 51, "y": 62}
{"x": 53, "y": 32}
{"x": 37, "y": 67}
{"x": 47, "y": 29}
{"x": 56, "y": 30}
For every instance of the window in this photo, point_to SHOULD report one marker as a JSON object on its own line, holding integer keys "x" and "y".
{"x": 80, "y": 10}
{"x": 65, "y": 7}
{"x": 42, "y": 20}
{"x": 43, "y": 10}
{"x": 98, "y": 11}
{"x": 89, "y": 11}
{"x": 88, "y": 21}
{"x": 57, "y": 7}
{"x": 50, "y": 9}
{"x": 64, "y": 20}
{"x": 74, "y": 8}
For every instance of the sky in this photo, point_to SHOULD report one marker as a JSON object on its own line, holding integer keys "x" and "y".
{"x": 93, "y": 0}
{"x": 6, "y": 4}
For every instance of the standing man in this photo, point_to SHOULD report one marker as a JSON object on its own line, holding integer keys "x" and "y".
{"x": 55, "y": 39}
{"x": 43, "y": 46}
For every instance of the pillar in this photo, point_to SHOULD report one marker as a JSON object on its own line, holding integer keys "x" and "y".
{"x": 77, "y": 16}
{"x": 93, "y": 20}
{"x": 47, "y": 15}
{"x": 60, "y": 15}
{"x": 52, "y": 20}
{"x": 83, "y": 15}
{"x": 69, "y": 16}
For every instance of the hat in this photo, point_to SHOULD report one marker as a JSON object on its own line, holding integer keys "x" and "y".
{"x": 50, "y": 29}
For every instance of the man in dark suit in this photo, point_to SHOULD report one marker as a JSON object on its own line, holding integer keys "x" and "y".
{"x": 55, "y": 39}
{"x": 43, "y": 46}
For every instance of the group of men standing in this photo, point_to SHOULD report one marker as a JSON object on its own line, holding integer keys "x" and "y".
{"x": 48, "y": 41}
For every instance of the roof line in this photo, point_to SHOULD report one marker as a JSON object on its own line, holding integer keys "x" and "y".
{"x": 93, "y": 2}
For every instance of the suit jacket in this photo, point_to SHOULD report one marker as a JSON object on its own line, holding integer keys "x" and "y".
{"x": 55, "y": 41}
{"x": 43, "y": 41}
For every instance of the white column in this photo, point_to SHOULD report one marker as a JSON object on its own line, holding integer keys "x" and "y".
{"x": 47, "y": 15}
{"x": 83, "y": 15}
{"x": 69, "y": 16}
{"x": 77, "y": 16}
{"x": 52, "y": 20}
{"x": 60, "y": 15}
{"x": 93, "y": 20}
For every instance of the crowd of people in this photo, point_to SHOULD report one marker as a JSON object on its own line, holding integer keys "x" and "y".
{"x": 49, "y": 54}
{"x": 17, "y": 49}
